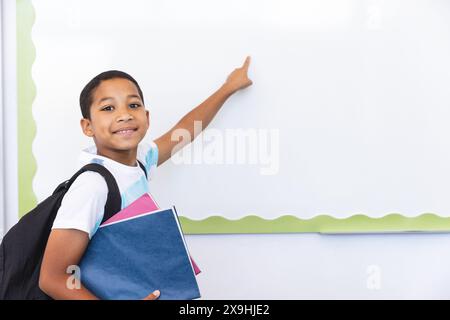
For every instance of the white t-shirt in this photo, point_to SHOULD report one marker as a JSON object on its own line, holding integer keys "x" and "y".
{"x": 83, "y": 205}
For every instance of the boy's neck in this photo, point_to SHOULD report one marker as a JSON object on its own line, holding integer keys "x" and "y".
{"x": 126, "y": 157}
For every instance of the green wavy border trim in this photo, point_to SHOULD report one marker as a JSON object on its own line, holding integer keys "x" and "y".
{"x": 26, "y": 54}
{"x": 391, "y": 223}
{"x": 26, "y": 92}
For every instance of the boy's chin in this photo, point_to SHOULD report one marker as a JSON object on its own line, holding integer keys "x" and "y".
{"x": 131, "y": 145}
{"x": 127, "y": 147}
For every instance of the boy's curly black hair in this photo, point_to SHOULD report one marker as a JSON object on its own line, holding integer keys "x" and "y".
{"x": 87, "y": 92}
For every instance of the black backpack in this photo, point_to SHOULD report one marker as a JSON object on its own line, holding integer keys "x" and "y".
{"x": 23, "y": 246}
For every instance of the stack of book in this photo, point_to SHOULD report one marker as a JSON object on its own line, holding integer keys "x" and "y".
{"x": 138, "y": 250}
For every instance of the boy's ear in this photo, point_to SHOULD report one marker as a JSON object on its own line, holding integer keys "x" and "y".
{"x": 86, "y": 127}
{"x": 147, "y": 113}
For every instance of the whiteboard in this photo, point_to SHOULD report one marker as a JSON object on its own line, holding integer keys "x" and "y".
{"x": 345, "y": 128}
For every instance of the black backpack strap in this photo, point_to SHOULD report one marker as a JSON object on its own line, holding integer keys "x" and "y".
{"x": 143, "y": 168}
{"x": 113, "y": 201}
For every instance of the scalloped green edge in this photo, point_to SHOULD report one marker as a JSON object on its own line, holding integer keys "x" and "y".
{"x": 26, "y": 92}
{"x": 394, "y": 222}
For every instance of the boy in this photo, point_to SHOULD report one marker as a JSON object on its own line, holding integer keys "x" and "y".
{"x": 114, "y": 115}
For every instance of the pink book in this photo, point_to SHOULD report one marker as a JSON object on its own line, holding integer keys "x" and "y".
{"x": 143, "y": 204}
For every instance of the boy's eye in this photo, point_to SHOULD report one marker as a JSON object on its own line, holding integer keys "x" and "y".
{"x": 135, "y": 105}
{"x": 107, "y": 108}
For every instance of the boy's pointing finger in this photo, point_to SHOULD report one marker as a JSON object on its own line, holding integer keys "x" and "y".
{"x": 246, "y": 63}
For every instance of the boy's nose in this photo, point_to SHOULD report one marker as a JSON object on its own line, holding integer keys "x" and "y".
{"x": 125, "y": 117}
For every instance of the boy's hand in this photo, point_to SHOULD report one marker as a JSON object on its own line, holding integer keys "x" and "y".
{"x": 238, "y": 79}
{"x": 204, "y": 113}
{"x": 152, "y": 296}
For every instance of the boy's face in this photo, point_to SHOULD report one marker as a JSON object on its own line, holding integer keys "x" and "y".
{"x": 119, "y": 120}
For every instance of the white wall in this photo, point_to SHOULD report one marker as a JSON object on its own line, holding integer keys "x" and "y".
{"x": 313, "y": 266}
{"x": 10, "y": 204}
{"x": 2, "y": 178}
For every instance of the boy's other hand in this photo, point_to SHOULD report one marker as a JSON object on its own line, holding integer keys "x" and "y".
{"x": 238, "y": 79}
{"x": 152, "y": 296}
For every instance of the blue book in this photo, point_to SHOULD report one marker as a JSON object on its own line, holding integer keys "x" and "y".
{"x": 131, "y": 258}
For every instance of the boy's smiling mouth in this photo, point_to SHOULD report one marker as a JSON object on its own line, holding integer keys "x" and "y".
{"x": 127, "y": 131}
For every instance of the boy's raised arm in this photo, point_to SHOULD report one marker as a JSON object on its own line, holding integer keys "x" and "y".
{"x": 204, "y": 113}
